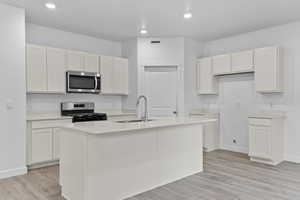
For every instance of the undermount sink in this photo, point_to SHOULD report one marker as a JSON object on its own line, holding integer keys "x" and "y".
{"x": 133, "y": 121}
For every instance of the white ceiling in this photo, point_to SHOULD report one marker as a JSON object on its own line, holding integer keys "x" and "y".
{"x": 122, "y": 19}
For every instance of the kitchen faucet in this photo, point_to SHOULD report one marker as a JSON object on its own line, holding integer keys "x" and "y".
{"x": 145, "y": 117}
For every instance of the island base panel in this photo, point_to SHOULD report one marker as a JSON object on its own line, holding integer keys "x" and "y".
{"x": 120, "y": 165}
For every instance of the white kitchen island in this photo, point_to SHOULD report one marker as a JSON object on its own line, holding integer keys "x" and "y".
{"x": 112, "y": 161}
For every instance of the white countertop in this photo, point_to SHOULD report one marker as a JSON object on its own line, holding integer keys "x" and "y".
{"x": 104, "y": 127}
{"x": 57, "y": 116}
{"x": 203, "y": 112}
{"x": 267, "y": 114}
{"x": 45, "y": 116}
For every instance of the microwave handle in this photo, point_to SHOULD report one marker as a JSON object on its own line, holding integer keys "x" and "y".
{"x": 96, "y": 83}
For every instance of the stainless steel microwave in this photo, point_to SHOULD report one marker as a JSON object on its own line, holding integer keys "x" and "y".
{"x": 83, "y": 82}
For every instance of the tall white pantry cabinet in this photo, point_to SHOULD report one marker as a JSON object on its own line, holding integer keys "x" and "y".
{"x": 46, "y": 69}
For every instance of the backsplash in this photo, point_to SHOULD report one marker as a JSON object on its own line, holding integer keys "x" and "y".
{"x": 37, "y": 103}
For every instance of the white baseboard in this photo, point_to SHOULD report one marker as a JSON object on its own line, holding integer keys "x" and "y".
{"x": 238, "y": 149}
{"x": 13, "y": 172}
{"x": 292, "y": 158}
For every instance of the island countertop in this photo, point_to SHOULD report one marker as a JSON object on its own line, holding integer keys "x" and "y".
{"x": 105, "y": 127}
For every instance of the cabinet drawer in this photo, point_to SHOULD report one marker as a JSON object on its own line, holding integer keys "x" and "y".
{"x": 50, "y": 123}
{"x": 260, "y": 121}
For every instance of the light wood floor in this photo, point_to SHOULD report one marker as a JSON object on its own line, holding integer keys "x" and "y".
{"x": 227, "y": 176}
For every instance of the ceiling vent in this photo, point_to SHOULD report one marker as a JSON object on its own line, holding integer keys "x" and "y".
{"x": 155, "y": 42}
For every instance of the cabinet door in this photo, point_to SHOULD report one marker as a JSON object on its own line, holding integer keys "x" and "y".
{"x": 56, "y": 148}
{"x": 260, "y": 141}
{"x": 41, "y": 145}
{"x": 268, "y": 74}
{"x": 221, "y": 64}
{"x": 106, "y": 71}
{"x": 120, "y": 76}
{"x": 242, "y": 61}
{"x": 36, "y": 68}
{"x": 206, "y": 82}
{"x": 75, "y": 60}
{"x": 56, "y": 68}
{"x": 91, "y": 63}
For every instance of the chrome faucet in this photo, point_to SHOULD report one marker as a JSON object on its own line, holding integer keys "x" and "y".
{"x": 145, "y": 117}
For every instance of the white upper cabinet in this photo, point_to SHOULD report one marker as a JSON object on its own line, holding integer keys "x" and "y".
{"x": 120, "y": 80}
{"x": 222, "y": 64}
{"x": 56, "y": 70}
{"x": 36, "y": 68}
{"x": 91, "y": 63}
{"x": 114, "y": 75}
{"x": 242, "y": 62}
{"x": 75, "y": 60}
{"x": 206, "y": 82}
{"x": 81, "y": 61}
{"x": 46, "y": 69}
{"x": 106, "y": 71}
{"x": 268, "y": 70}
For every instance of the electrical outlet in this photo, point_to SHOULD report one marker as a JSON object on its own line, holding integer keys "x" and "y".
{"x": 234, "y": 141}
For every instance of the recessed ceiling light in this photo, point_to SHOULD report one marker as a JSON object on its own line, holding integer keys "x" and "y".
{"x": 143, "y": 31}
{"x": 187, "y": 15}
{"x": 50, "y": 5}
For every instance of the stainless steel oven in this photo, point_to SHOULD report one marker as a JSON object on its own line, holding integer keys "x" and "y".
{"x": 83, "y": 82}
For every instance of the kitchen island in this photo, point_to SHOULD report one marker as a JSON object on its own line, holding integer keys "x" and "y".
{"x": 112, "y": 161}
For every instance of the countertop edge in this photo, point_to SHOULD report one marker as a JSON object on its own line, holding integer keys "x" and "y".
{"x": 42, "y": 117}
{"x": 202, "y": 121}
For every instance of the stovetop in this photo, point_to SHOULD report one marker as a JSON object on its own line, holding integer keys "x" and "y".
{"x": 84, "y": 117}
{"x": 81, "y": 111}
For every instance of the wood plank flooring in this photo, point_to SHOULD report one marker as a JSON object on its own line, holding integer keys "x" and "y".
{"x": 227, "y": 176}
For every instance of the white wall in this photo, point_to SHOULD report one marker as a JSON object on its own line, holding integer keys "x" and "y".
{"x": 169, "y": 52}
{"x": 237, "y": 97}
{"x": 130, "y": 51}
{"x": 12, "y": 87}
{"x": 192, "y": 50}
{"x": 56, "y": 38}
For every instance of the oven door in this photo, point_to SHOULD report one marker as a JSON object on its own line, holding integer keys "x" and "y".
{"x": 83, "y": 82}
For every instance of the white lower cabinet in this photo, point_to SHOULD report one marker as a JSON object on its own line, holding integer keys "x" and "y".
{"x": 260, "y": 138}
{"x": 43, "y": 146}
{"x": 56, "y": 148}
{"x": 266, "y": 140}
{"x": 211, "y": 137}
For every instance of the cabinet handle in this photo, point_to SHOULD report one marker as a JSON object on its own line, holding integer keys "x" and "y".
{"x": 96, "y": 83}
